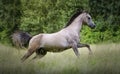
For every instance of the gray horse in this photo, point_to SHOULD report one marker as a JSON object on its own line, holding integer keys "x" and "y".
{"x": 62, "y": 40}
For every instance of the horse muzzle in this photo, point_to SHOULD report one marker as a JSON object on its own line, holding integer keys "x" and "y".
{"x": 92, "y": 26}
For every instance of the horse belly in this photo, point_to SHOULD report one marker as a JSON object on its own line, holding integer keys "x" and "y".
{"x": 55, "y": 45}
{"x": 53, "y": 49}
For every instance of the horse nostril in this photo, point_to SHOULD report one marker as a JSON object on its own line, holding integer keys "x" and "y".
{"x": 93, "y": 26}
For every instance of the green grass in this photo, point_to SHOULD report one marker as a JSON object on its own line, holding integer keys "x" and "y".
{"x": 106, "y": 60}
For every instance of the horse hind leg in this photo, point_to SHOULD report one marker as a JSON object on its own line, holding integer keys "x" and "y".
{"x": 38, "y": 56}
{"x": 40, "y": 53}
{"x": 28, "y": 54}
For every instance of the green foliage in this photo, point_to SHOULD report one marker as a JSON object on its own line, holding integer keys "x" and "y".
{"x": 106, "y": 15}
{"x": 48, "y": 16}
{"x": 10, "y": 13}
{"x": 105, "y": 31}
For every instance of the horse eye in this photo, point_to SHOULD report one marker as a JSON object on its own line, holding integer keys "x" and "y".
{"x": 88, "y": 17}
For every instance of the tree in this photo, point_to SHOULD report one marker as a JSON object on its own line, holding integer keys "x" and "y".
{"x": 10, "y": 16}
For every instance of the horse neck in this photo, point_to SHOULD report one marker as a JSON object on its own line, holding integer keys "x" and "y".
{"x": 76, "y": 25}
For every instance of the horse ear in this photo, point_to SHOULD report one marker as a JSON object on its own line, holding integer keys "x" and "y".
{"x": 85, "y": 11}
{"x": 79, "y": 10}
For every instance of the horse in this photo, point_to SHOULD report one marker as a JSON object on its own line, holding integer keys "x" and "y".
{"x": 20, "y": 39}
{"x": 62, "y": 40}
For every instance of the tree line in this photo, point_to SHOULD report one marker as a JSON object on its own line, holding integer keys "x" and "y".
{"x": 47, "y": 16}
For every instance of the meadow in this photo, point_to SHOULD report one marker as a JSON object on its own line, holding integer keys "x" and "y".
{"x": 105, "y": 60}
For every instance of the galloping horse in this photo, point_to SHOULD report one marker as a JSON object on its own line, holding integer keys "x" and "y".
{"x": 62, "y": 40}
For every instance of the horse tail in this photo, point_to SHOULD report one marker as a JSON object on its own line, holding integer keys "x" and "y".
{"x": 25, "y": 38}
{"x": 21, "y": 39}
{"x": 29, "y": 39}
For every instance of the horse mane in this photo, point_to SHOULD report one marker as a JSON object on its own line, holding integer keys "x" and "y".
{"x": 73, "y": 18}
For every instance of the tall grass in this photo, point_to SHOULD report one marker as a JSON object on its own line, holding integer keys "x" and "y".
{"x": 105, "y": 60}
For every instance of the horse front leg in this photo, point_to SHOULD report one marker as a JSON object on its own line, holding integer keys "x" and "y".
{"x": 79, "y": 45}
{"x": 75, "y": 49}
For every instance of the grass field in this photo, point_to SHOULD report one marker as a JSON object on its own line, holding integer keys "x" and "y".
{"x": 106, "y": 60}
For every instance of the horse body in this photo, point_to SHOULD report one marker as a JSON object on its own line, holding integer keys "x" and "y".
{"x": 61, "y": 40}
{"x": 58, "y": 41}
{"x": 52, "y": 42}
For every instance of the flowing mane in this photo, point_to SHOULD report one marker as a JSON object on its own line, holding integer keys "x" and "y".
{"x": 72, "y": 18}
